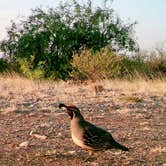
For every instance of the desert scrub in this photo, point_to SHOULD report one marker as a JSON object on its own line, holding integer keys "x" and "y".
{"x": 95, "y": 65}
{"x": 105, "y": 64}
{"x": 156, "y": 65}
{"x": 27, "y": 69}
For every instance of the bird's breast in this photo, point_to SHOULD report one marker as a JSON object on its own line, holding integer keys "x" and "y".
{"x": 80, "y": 143}
{"x": 77, "y": 134}
{"x": 77, "y": 141}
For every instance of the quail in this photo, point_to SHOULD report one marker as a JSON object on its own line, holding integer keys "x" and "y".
{"x": 88, "y": 136}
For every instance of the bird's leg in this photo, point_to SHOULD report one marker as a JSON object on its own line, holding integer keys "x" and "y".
{"x": 90, "y": 154}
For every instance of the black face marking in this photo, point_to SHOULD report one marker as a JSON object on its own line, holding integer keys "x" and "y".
{"x": 70, "y": 113}
{"x": 73, "y": 112}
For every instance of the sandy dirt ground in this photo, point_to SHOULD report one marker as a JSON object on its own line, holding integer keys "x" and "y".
{"x": 33, "y": 131}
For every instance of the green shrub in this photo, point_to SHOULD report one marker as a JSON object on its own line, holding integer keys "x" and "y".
{"x": 3, "y": 65}
{"x": 26, "y": 68}
{"x": 155, "y": 62}
{"x": 156, "y": 66}
{"x": 6, "y": 66}
{"x": 133, "y": 67}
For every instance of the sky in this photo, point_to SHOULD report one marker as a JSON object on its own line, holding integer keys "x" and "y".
{"x": 149, "y": 14}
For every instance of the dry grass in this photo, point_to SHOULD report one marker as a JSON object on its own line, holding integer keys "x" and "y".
{"x": 134, "y": 112}
{"x": 65, "y": 90}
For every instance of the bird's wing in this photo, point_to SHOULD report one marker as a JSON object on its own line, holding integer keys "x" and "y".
{"x": 97, "y": 137}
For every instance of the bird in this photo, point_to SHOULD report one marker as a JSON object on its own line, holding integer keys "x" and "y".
{"x": 87, "y": 135}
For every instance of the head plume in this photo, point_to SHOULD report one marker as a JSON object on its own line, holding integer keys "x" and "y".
{"x": 72, "y": 110}
{"x": 62, "y": 105}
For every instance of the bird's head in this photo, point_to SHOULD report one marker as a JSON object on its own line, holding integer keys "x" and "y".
{"x": 72, "y": 111}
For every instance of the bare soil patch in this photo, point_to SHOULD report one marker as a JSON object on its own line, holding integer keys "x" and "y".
{"x": 33, "y": 131}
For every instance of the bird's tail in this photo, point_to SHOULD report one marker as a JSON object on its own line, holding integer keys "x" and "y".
{"x": 119, "y": 146}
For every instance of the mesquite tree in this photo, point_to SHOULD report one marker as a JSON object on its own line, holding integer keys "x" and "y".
{"x": 48, "y": 38}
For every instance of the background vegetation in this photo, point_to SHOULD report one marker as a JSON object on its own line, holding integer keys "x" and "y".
{"x": 76, "y": 41}
{"x": 106, "y": 64}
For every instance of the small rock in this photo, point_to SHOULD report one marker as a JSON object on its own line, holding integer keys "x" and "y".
{"x": 59, "y": 134}
{"x": 24, "y": 144}
{"x": 38, "y": 135}
{"x": 72, "y": 152}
